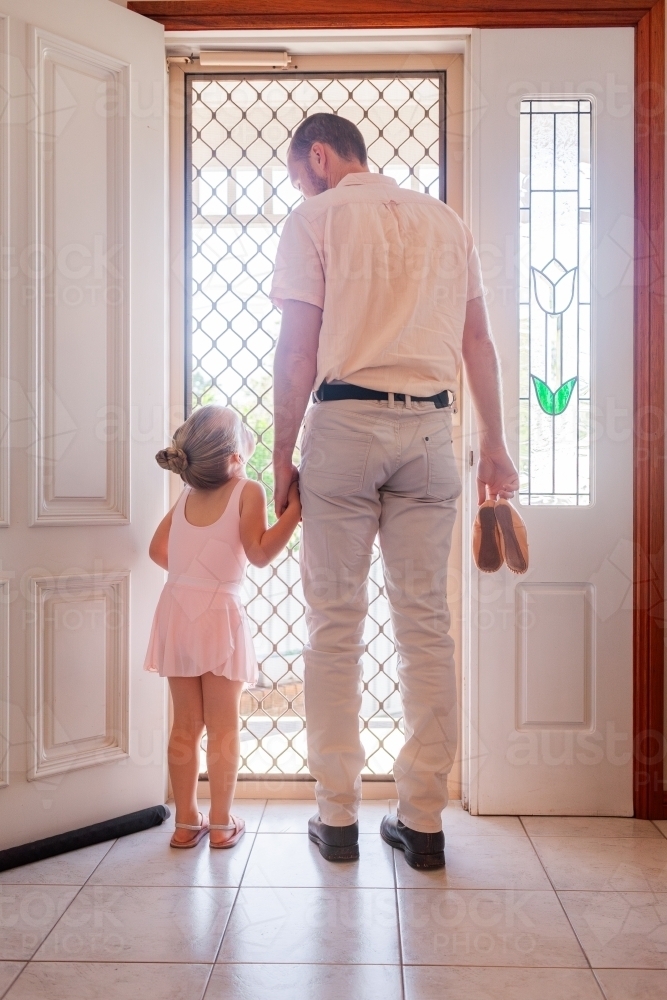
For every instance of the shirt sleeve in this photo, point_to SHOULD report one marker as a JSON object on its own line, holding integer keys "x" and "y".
{"x": 475, "y": 284}
{"x": 299, "y": 272}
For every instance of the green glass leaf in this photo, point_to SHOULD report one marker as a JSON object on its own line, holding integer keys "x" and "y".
{"x": 563, "y": 396}
{"x": 545, "y": 396}
{"x": 553, "y": 403}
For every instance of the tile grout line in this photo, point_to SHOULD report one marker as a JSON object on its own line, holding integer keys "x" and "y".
{"x": 599, "y": 984}
{"x": 398, "y": 916}
{"x": 19, "y": 973}
{"x": 560, "y": 903}
{"x": 658, "y": 829}
{"x": 74, "y": 897}
{"x": 232, "y": 907}
{"x": 106, "y": 853}
{"x": 29, "y": 960}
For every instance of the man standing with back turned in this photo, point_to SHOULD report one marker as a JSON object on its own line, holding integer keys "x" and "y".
{"x": 381, "y": 295}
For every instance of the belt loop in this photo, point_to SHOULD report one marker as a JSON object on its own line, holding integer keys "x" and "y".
{"x": 408, "y": 401}
{"x": 391, "y": 400}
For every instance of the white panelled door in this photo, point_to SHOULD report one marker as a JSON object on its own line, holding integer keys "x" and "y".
{"x": 83, "y": 412}
{"x": 550, "y": 693}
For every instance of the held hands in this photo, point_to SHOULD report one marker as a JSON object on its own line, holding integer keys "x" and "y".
{"x": 496, "y": 474}
{"x": 294, "y": 499}
{"x": 285, "y": 475}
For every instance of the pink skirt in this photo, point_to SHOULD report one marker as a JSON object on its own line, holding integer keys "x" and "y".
{"x": 199, "y": 629}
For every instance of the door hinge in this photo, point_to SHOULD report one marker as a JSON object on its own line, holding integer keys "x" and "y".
{"x": 471, "y": 458}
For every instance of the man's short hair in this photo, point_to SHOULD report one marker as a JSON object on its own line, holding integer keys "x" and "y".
{"x": 341, "y": 134}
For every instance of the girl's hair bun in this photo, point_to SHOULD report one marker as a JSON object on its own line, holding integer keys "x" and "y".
{"x": 173, "y": 458}
{"x": 206, "y": 449}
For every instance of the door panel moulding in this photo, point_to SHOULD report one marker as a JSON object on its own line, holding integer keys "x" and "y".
{"x": 79, "y": 672}
{"x": 81, "y": 324}
{"x": 560, "y": 638}
{"x": 648, "y": 19}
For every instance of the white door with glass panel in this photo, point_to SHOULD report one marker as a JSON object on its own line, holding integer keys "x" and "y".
{"x": 83, "y": 413}
{"x": 549, "y": 695}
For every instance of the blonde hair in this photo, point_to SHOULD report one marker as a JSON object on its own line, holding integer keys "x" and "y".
{"x": 203, "y": 446}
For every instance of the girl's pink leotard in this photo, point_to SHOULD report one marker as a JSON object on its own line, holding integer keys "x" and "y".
{"x": 200, "y": 624}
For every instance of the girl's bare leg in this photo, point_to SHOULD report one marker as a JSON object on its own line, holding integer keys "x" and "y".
{"x": 221, "y": 698}
{"x": 184, "y": 740}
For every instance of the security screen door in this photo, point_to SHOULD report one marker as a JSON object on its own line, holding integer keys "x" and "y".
{"x": 238, "y": 130}
{"x": 550, "y": 702}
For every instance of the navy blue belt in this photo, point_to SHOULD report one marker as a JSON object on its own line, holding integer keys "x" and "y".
{"x": 327, "y": 392}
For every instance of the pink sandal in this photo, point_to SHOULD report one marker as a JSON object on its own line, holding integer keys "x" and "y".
{"x": 237, "y": 825}
{"x": 201, "y": 831}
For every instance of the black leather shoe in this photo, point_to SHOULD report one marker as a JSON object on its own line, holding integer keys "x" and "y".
{"x": 336, "y": 843}
{"x": 422, "y": 850}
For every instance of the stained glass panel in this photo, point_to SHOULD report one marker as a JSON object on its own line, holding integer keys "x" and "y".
{"x": 555, "y": 294}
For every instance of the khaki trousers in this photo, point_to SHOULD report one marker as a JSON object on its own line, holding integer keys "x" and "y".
{"x": 369, "y": 468}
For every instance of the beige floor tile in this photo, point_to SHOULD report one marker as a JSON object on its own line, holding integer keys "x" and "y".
{"x": 290, "y": 860}
{"x": 305, "y": 982}
{"x": 479, "y": 863}
{"x": 284, "y": 816}
{"x": 72, "y": 868}
{"x": 456, "y": 820}
{"x": 27, "y": 914}
{"x": 251, "y": 810}
{"x": 109, "y": 981}
{"x": 633, "y": 984}
{"x": 313, "y": 926}
{"x": 486, "y": 928}
{"x": 147, "y": 859}
{"x": 132, "y": 924}
{"x": 441, "y": 983}
{"x": 604, "y": 863}
{"x": 372, "y": 812}
{"x": 620, "y": 930}
{"x": 589, "y": 826}
{"x": 8, "y": 973}
{"x": 661, "y": 824}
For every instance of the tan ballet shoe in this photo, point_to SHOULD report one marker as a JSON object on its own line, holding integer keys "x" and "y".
{"x": 513, "y": 536}
{"x": 486, "y": 542}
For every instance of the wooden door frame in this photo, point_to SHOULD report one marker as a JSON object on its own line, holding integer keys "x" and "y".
{"x": 648, "y": 20}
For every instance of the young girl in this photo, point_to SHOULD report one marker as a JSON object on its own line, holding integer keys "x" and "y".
{"x": 200, "y": 638}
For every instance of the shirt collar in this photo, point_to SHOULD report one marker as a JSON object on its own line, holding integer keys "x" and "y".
{"x": 364, "y": 178}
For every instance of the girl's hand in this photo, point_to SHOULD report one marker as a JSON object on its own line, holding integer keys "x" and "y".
{"x": 284, "y": 474}
{"x": 293, "y": 497}
{"x": 294, "y": 500}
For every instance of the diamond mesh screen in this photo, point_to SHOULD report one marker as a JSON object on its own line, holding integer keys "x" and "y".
{"x": 240, "y": 194}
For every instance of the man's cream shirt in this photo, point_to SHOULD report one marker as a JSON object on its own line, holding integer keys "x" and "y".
{"x": 392, "y": 271}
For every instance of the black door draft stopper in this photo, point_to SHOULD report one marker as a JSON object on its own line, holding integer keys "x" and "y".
{"x": 121, "y": 826}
